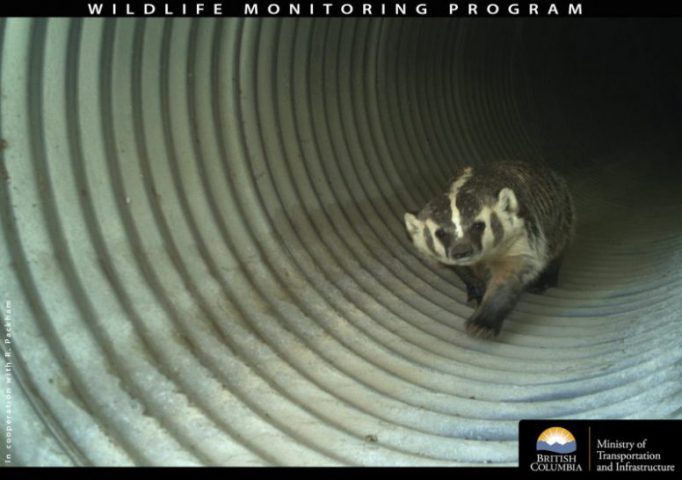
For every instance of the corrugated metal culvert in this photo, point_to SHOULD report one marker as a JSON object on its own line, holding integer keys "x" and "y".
{"x": 202, "y": 250}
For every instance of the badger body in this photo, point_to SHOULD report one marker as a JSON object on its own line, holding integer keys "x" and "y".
{"x": 503, "y": 228}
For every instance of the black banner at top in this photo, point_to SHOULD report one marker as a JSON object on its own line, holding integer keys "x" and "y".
{"x": 343, "y": 8}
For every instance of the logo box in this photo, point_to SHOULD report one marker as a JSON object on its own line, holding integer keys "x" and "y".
{"x": 639, "y": 446}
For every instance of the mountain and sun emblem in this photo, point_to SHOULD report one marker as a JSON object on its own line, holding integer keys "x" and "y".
{"x": 556, "y": 440}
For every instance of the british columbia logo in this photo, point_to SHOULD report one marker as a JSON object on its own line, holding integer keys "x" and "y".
{"x": 556, "y": 440}
{"x": 556, "y": 451}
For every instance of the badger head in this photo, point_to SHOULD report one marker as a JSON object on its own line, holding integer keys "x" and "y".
{"x": 466, "y": 224}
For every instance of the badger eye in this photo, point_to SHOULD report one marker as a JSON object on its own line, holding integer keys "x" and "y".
{"x": 440, "y": 234}
{"x": 478, "y": 227}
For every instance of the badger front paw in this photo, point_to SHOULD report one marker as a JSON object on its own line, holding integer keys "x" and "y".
{"x": 483, "y": 326}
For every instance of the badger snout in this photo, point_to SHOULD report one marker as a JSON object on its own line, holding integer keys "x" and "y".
{"x": 459, "y": 251}
{"x": 455, "y": 248}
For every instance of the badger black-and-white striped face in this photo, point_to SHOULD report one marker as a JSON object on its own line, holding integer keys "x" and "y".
{"x": 464, "y": 225}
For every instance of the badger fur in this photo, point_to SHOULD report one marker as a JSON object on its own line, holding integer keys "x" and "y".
{"x": 503, "y": 228}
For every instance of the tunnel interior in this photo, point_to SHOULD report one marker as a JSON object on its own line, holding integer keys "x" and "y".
{"x": 203, "y": 259}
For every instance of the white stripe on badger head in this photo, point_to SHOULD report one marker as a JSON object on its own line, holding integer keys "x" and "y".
{"x": 454, "y": 190}
{"x": 437, "y": 245}
{"x": 488, "y": 238}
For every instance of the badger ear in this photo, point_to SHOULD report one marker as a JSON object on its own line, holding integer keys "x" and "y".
{"x": 506, "y": 201}
{"x": 412, "y": 224}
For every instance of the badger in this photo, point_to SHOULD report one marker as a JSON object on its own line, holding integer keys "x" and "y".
{"x": 504, "y": 228}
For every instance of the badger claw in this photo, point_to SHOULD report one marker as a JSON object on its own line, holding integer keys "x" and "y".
{"x": 479, "y": 331}
{"x": 481, "y": 327}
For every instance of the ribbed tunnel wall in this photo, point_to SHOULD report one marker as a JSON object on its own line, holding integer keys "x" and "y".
{"x": 202, "y": 251}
